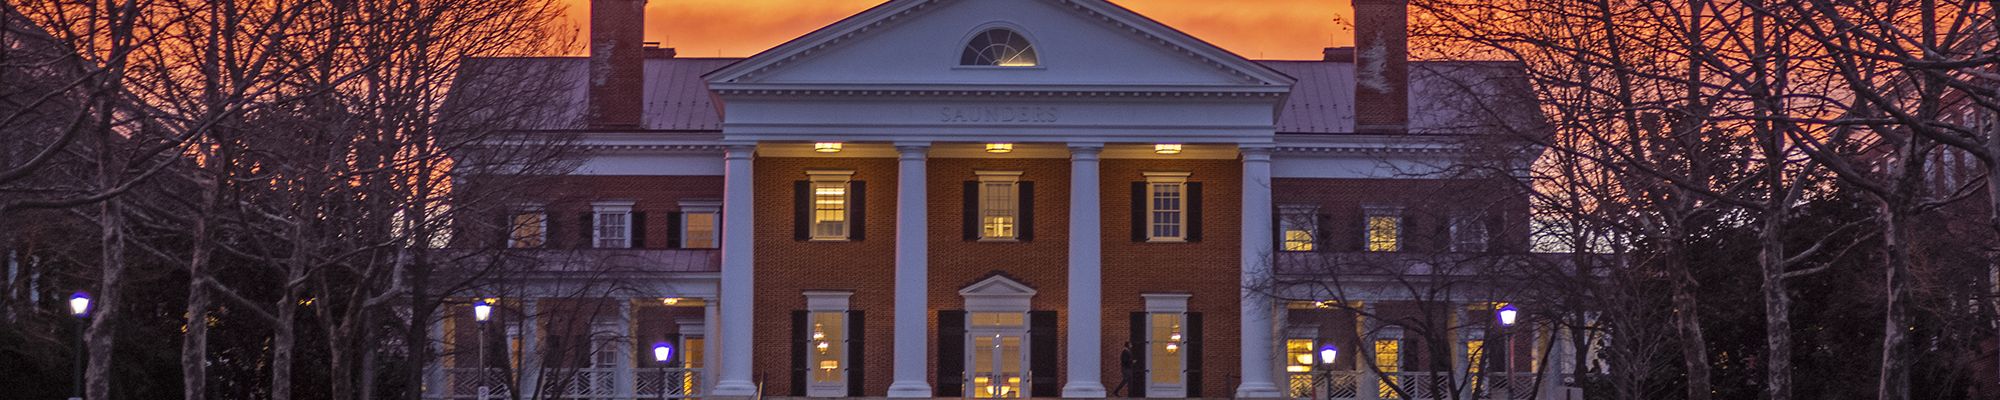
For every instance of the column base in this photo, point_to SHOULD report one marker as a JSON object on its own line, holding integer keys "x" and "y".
{"x": 1083, "y": 390}
{"x": 1258, "y": 390}
{"x": 910, "y": 389}
{"x": 734, "y": 389}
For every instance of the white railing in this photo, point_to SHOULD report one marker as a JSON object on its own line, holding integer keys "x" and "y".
{"x": 465, "y": 383}
{"x": 667, "y": 383}
{"x": 576, "y": 384}
{"x": 1351, "y": 385}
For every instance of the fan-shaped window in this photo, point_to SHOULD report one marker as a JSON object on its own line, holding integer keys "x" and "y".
{"x": 999, "y": 48}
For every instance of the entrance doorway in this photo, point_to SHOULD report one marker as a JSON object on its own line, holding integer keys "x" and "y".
{"x": 997, "y": 364}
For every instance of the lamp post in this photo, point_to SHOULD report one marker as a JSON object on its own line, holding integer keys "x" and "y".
{"x": 1327, "y": 354}
{"x": 662, "y": 353}
{"x": 481, "y": 311}
{"x": 79, "y": 307}
{"x": 1507, "y": 315}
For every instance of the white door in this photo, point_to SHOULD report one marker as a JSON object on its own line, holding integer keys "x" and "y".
{"x": 997, "y": 365}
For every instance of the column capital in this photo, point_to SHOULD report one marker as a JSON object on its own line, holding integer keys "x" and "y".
{"x": 1256, "y": 152}
{"x": 913, "y": 151}
{"x": 1085, "y": 151}
{"x": 739, "y": 151}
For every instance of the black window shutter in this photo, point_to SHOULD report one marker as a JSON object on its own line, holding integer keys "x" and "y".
{"x": 673, "y": 232}
{"x": 857, "y": 361}
{"x": 1193, "y": 211}
{"x": 857, "y": 211}
{"x": 586, "y": 234}
{"x": 1139, "y": 211}
{"x": 802, "y": 210}
{"x": 1042, "y": 357}
{"x": 638, "y": 230}
{"x": 1323, "y": 235}
{"x": 951, "y": 353}
{"x": 1026, "y": 226}
{"x": 551, "y": 236}
{"x": 971, "y": 211}
{"x": 506, "y": 225}
{"x": 798, "y": 354}
{"x": 1193, "y": 354}
{"x": 1136, "y": 373}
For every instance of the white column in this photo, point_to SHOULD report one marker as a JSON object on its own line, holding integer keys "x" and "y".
{"x": 626, "y": 380}
{"x": 1257, "y": 246}
{"x": 912, "y": 274}
{"x": 434, "y": 380}
{"x": 711, "y": 339}
{"x": 737, "y": 288}
{"x": 531, "y": 352}
{"x": 1086, "y": 275}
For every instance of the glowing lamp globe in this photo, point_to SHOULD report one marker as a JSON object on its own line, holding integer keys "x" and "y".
{"x": 1327, "y": 354}
{"x": 1507, "y": 314}
{"x": 482, "y": 310}
{"x": 662, "y": 352}
{"x": 79, "y": 304}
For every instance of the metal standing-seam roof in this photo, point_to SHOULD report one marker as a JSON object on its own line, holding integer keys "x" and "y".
{"x": 1446, "y": 97}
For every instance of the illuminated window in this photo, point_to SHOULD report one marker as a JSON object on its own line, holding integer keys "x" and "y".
{"x": 614, "y": 224}
{"x": 698, "y": 224}
{"x": 999, "y": 205}
{"x": 826, "y": 339}
{"x": 999, "y": 48}
{"x": 1298, "y": 226}
{"x": 528, "y": 229}
{"x": 1475, "y": 354}
{"x": 1468, "y": 233}
{"x": 829, "y": 202}
{"x": 1168, "y": 342}
{"x": 1166, "y": 206}
{"x": 1389, "y": 359}
{"x": 1299, "y": 366}
{"x": 1385, "y": 230}
{"x": 700, "y": 232}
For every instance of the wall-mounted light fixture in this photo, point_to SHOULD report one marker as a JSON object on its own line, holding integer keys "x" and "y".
{"x": 999, "y": 148}
{"x": 1167, "y": 148}
{"x": 827, "y": 147}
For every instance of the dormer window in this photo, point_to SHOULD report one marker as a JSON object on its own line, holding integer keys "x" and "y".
{"x": 999, "y": 47}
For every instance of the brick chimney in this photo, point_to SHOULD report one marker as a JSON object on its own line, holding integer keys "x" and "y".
{"x": 617, "y": 63}
{"x": 1381, "y": 66}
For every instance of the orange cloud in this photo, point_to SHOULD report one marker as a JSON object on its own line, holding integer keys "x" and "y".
{"x": 1258, "y": 29}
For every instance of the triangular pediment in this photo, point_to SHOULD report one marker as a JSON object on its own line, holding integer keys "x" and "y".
{"x": 918, "y": 43}
{"x": 997, "y": 285}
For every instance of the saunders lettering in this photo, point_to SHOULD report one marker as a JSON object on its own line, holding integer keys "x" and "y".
{"x": 1005, "y": 114}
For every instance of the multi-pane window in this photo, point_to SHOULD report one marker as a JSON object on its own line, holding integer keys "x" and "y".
{"x": 614, "y": 229}
{"x": 1475, "y": 353}
{"x": 1167, "y": 342}
{"x": 1468, "y": 233}
{"x": 700, "y": 230}
{"x": 1167, "y": 210}
{"x": 1389, "y": 360}
{"x": 1384, "y": 230}
{"x": 829, "y": 346}
{"x": 1298, "y": 227}
{"x": 829, "y": 210}
{"x": 999, "y": 210}
{"x": 527, "y": 230}
{"x": 999, "y": 48}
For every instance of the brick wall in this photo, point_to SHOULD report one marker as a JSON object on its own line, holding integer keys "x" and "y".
{"x": 1041, "y": 263}
{"x": 1428, "y": 205}
{"x": 787, "y": 267}
{"x": 1209, "y": 270}
{"x": 654, "y": 195}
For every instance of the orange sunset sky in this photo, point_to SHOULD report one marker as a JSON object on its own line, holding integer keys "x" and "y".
{"x": 1258, "y": 29}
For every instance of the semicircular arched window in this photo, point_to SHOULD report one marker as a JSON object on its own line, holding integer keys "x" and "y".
{"x": 999, "y": 47}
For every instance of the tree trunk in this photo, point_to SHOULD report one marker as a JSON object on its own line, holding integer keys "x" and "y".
{"x": 104, "y": 307}
{"x": 1777, "y": 308}
{"x": 1687, "y": 320}
{"x": 283, "y": 337}
{"x": 194, "y": 344}
{"x": 1894, "y": 381}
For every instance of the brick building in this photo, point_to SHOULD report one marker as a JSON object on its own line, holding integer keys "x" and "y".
{"x": 1001, "y": 198}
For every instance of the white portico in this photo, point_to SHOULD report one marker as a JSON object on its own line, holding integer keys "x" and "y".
{"x": 921, "y": 79}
